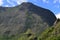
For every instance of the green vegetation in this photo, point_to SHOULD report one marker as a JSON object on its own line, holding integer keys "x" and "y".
{"x": 29, "y": 20}
{"x": 51, "y": 33}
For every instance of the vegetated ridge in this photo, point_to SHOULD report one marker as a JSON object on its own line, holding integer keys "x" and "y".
{"x": 24, "y": 20}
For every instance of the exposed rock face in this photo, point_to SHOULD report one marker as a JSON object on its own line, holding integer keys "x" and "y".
{"x": 25, "y": 16}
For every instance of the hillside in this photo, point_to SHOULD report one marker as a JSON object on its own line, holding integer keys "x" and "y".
{"x": 52, "y": 33}
{"x": 24, "y": 22}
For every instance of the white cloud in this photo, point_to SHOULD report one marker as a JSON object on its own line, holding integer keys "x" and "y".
{"x": 55, "y": 1}
{"x": 1, "y": 2}
{"x": 45, "y": 1}
{"x": 6, "y": 5}
{"x": 58, "y": 15}
{"x": 9, "y": 2}
{"x": 20, "y": 1}
{"x": 57, "y": 6}
{"x": 12, "y": 4}
{"x": 59, "y": 1}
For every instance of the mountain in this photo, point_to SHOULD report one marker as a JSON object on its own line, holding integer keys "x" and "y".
{"x": 23, "y": 19}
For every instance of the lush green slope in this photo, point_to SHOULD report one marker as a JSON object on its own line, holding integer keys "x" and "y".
{"x": 52, "y": 33}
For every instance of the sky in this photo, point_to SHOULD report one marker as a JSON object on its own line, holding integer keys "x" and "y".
{"x": 53, "y": 5}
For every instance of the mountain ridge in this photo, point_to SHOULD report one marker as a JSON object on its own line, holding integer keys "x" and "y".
{"x": 19, "y": 19}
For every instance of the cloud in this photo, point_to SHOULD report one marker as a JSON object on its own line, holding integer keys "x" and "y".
{"x": 57, "y": 6}
{"x": 1, "y": 2}
{"x": 6, "y": 5}
{"x": 20, "y": 1}
{"x": 45, "y": 1}
{"x": 11, "y": 3}
{"x": 58, "y": 15}
{"x": 55, "y": 1}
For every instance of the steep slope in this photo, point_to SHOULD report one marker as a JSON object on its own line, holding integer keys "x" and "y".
{"x": 19, "y": 19}
{"x": 52, "y": 33}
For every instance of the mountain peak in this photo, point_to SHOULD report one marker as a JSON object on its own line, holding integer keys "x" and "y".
{"x": 27, "y": 3}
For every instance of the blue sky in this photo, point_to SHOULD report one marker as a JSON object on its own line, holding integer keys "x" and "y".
{"x": 53, "y": 5}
